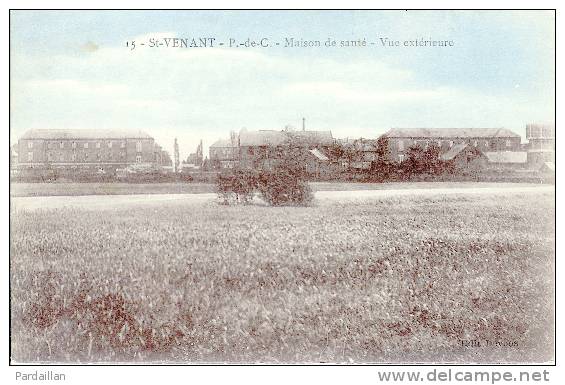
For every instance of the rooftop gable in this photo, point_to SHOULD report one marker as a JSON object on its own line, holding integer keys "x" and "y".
{"x": 450, "y": 133}
{"x": 453, "y": 151}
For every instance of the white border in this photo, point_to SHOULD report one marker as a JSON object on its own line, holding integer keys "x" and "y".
{"x": 257, "y": 374}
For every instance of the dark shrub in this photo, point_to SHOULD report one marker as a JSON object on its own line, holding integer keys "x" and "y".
{"x": 237, "y": 187}
{"x": 282, "y": 186}
{"x": 285, "y": 186}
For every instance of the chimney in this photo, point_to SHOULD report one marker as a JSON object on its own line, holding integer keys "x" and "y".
{"x": 303, "y": 124}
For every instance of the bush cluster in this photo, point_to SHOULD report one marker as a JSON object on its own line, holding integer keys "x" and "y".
{"x": 281, "y": 186}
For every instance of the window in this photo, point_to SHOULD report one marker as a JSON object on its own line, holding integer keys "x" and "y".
{"x": 86, "y": 145}
{"x": 508, "y": 143}
{"x": 61, "y": 157}
{"x": 49, "y": 157}
{"x": 138, "y": 146}
{"x": 74, "y": 145}
{"x": 97, "y": 144}
{"x": 475, "y": 143}
{"x": 30, "y": 156}
{"x": 138, "y": 159}
{"x": 62, "y": 145}
{"x": 109, "y": 144}
{"x": 486, "y": 143}
{"x": 123, "y": 145}
{"x": 401, "y": 157}
{"x": 73, "y": 157}
{"x": 400, "y": 145}
{"x": 49, "y": 145}
{"x": 29, "y": 144}
{"x": 86, "y": 156}
{"x": 123, "y": 155}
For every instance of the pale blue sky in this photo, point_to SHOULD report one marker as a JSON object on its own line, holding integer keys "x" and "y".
{"x": 500, "y": 73}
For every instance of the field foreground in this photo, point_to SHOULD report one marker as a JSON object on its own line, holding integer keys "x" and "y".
{"x": 376, "y": 279}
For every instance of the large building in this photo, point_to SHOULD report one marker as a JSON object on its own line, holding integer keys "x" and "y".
{"x": 484, "y": 139}
{"x": 104, "y": 150}
{"x": 263, "y": 149}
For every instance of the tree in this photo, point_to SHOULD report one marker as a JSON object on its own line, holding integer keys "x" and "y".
{"x": 284, "y": 186}
{"x": 336, "y": 151}
{"x": 414, "y": 163}
{"x": 383, "y": 167}
{"x": 431, "y": 161}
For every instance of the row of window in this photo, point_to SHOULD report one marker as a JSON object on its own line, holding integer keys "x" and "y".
{"x": 61, "y": 158}
{"x": 51, "y": 145}
{"x": 450, "y": 143}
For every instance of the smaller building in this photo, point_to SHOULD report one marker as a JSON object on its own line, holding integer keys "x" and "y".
{"x": 195, "y": 159}
{"x": 224, "y": 154}
{"x": 507, "y": 159}
{"x": 357, "y": 154}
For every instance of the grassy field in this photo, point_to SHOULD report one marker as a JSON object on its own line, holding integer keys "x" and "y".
{"x": 375, "y": 280}
{"x": 74, "y": 189}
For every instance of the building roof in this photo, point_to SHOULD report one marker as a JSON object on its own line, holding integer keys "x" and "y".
{"x": 262, "y": 138}
{"x": 453, "y": 151}
{"x": 319, "y": 154}
{"x": 57, "y": 134}
{"x": 323, "y": 138}
{"x": 223, "y": 143}
{"x": 450, "y": 133}
{"x": 507, "y": 156}
{"x": 277, "y": 138}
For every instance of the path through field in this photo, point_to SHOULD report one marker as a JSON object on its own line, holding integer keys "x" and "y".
{"x": 96, "y": 202}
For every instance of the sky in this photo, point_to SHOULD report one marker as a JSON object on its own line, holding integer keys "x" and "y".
{"x": 72, "y": 69}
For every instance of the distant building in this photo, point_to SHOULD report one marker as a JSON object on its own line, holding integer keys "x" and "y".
{"x": 195, "y": 159}
{"x": 224, "y": 153}
{"x": 484, "y": 139}
{"x": 162, "y": 157}
{"x": 541, "y": 144}
{"x": 71, "y": 149}
{"x": 264, "y": 149}
{"x": 357, "y": 154}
